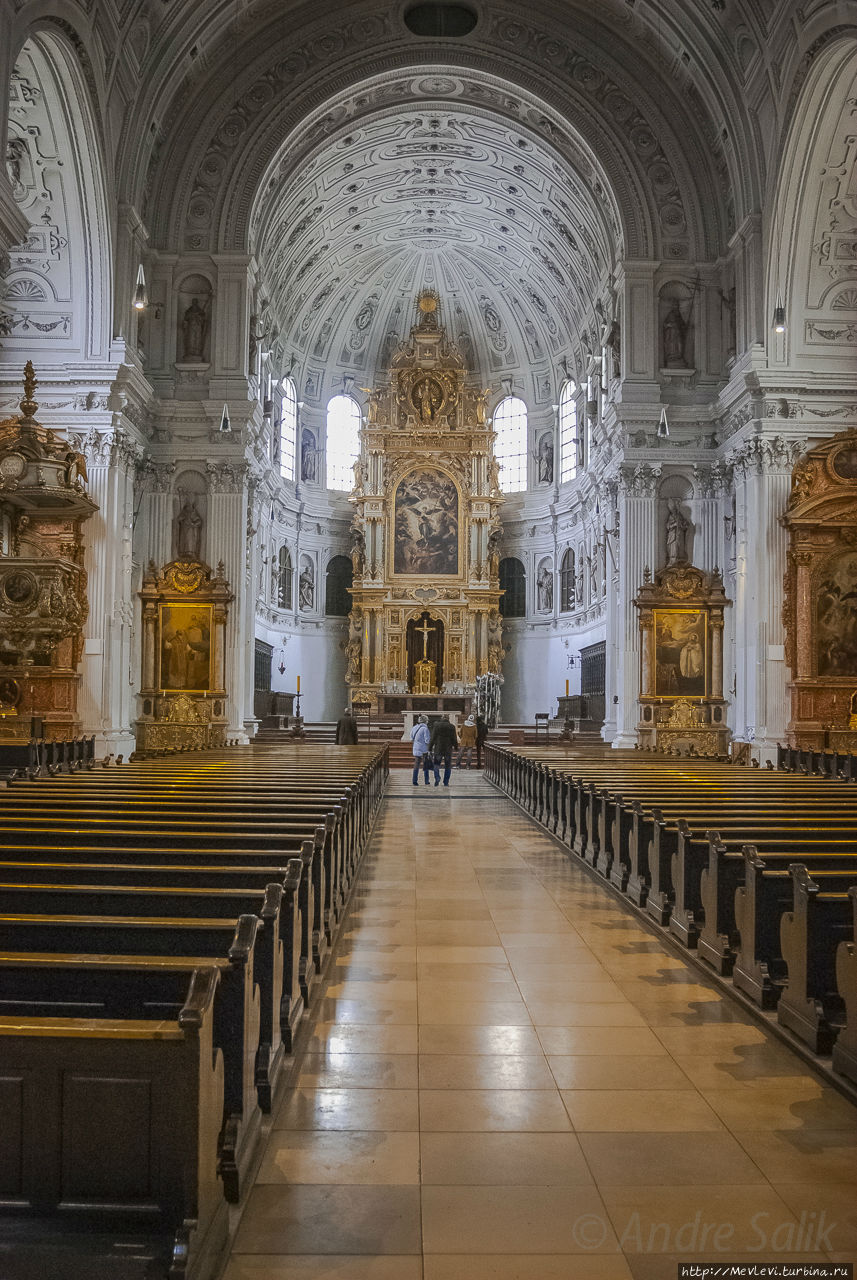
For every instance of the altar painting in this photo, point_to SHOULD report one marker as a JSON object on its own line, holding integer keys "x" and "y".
{"x": 681, "y": 651}
{"x": 836, "y": 617}
{"x": 426, "y": 524}
{"x": 185, "y": 648}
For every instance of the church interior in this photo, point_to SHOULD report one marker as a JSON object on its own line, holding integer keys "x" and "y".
{"x": 365, "y": 368}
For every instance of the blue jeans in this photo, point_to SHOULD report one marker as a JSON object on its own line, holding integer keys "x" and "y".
{"x": 447, "y": 766}
{"x": 418, "y": 762}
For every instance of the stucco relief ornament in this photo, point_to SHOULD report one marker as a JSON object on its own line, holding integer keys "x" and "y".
{"x": 683, "y": 582}
{"x": 185, "y": 576}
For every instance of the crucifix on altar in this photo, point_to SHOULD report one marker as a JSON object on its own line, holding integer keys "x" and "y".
{"x": 425, "y": 668}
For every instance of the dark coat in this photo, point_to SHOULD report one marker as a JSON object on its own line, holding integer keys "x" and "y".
{"x": 443, "y": 738}
{"x": 481, "y": 730}
{"x": 346, "y": 731}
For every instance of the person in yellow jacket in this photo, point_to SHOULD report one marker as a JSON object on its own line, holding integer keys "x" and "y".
{"x": 467, "y": 742}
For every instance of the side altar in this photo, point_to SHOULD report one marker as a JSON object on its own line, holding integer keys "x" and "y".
{"x": 425, "y": 620}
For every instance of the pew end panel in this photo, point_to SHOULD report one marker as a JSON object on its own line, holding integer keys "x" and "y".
{"x": 113, "y": 1125}
{"x": 845, "y": 1048}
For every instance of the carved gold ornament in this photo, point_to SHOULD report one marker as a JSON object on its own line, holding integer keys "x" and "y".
{"x": 185, "y": 576}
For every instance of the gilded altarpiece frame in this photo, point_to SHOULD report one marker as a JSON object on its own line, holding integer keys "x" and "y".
{"x": 183, "y": 686}
{"x": 426, "y": 526}
{"x": 681, "y": 615}
{"x": 820, "y": 596}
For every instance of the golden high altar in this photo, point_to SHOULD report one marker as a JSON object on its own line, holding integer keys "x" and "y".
{"x": 425, "y": 621}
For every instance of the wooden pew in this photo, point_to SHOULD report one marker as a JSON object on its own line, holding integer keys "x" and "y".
{"x": 244, "y": 942}
{"x": 766, "y": 893}
{"x": 845, "y": 1048}
{"x": 718, "y": 932}
{"x": 810, "y": 933}
{"x": 110, "y": 1132}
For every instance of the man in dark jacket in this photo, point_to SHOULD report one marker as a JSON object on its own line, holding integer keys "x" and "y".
{"x": 443, "y": 742}
{"x": 481, "y": 739}
{"x": 346, "y": 729}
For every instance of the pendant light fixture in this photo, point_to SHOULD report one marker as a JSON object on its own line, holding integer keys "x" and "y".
{"x": 141, "y": 297}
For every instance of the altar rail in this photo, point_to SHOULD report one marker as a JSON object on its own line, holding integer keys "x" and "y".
{"x": 754, "y": 871}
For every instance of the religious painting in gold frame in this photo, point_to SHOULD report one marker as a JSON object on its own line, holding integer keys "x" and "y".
{"x": 680, "y": 653}
{"x": 184, "y": 650}
{"x": 426, "y": 524}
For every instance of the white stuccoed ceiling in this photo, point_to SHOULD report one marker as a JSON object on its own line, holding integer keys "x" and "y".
{"x": 516, "y": 241}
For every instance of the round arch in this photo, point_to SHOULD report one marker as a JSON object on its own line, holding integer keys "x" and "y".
{"x": 808, "y": 241}
{"x": 59, "y": 303}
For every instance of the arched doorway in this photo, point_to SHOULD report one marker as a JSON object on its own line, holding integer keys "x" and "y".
{"x": 425, "y": 643}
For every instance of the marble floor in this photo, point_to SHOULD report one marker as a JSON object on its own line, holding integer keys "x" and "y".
{"x": 512, "y": 1079}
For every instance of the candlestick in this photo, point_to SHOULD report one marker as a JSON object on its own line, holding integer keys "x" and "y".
{"x": 299, "y": 684}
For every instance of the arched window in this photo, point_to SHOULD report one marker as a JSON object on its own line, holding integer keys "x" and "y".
{"x": 337, "y": 596}
{"x": 288, "y": 429}
{"x": 568, "y": 449}
{"x": 343, "y": 442}
{"x": 513, "y": 603}
{"x": 284, "y": 579}
{"x": 566, "y": 582}
{"x": 510, "y": 447}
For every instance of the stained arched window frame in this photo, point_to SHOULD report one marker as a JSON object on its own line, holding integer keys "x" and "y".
{"x": 511, "y": 423}
{"x": 513, "y": 601}
{"x": 288, "y": 428}
{"x": 569, "y": 444}
{"x": 567, "y": 582}
{"x": 342, "y": 442}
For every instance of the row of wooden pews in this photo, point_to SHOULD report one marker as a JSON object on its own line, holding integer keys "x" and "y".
{"x": 754, "y": 869}
{"x": 41, "y": 757}
{"x": 163, "y": 929}
{"x": 827, "y": 763}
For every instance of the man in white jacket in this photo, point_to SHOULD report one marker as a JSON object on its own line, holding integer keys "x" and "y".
{"x": 420, "y": 738}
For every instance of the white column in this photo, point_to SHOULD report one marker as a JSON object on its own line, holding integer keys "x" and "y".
{"x": 227, "y": 542}
{"x": 637, "y": 505}
{"x": 106, "y": 692}
{"x": 762, "y": 481}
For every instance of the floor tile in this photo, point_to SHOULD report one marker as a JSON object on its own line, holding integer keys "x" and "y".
{"x": 330, "y": 1219}
{"x": 358, "y": 1071}
{"x": 698, "y": 1219}
{"x": 393, "y": 1109}
{"x": 523, "y": 1267}
{"x": 664, "y": 1159}
{"x": 319, "y": 1267}
{"x": 498, "y": 1159}
{"x": 370, "y": 1158}
{"x": 483, "y": 1071}
{"x": 596, "y": 1071}
{"x": 639, "y": 1110}
{"x": 522, "y": 1219}
{"x": 492, "y": 1110}
{"x": 520, "y": 1041}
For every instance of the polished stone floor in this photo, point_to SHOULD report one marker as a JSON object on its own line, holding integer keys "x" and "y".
{"x": 511, "y": 1079}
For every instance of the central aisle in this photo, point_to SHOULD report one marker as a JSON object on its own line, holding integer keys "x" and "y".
{"x": 512, "y": 1080}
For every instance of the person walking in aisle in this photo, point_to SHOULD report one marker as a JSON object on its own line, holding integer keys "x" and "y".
{"x": 346, "y": 729}
{"x": 420, "y": 736}
{"x": 442, "y": 743}
{"x": 481, "y": 739}
{"x": 467, "y": 742}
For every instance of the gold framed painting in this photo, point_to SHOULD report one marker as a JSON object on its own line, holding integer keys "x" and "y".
{"x": 185, "y": 647}
{"x": 680, "y": 653}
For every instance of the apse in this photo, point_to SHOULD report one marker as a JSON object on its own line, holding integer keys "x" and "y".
{"x": 436, "y": 193}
